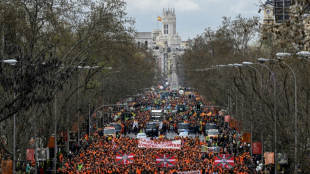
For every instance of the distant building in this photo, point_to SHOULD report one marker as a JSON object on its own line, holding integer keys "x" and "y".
{"x": 276, "y": 11}
{"x": 166, "y": 44}
{"x": 282, "y": 10}
{"x": 144, "y": 39}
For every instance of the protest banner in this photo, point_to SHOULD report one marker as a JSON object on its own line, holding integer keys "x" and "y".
{"x": 238, "y": 125}
{"x": 246, "y": 137}
{"x": 7, "y": 166}
{"x": 215, "y": 149}
{"x": 227, "y": 118}
{"x": 189, "y": 172}
{"x": 204, "y": 148}
{"x": 232, "y": 123}
{"x": 30, "y": 154}
{"x": 145, "y": 143}
{"x": 257, "y": 148}
{"x": 269, "y": 158}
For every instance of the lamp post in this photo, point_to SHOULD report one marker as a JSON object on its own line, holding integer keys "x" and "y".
{"x": 55, "y": 132}
{"x": 248, "y": 64}
{"x": 13, "y": 62}
{"x": 251, "y": 125}
{"x": 274, "y": 98}
{"x": 282, "y": 55}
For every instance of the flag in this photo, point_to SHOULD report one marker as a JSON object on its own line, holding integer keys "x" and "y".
{"x": 51, "y": 142}
{"x": 7, "y": 166}
{"x": 232, "y": 123}
{"x": 159, "y": 18}
{"x": 269, "y": 158}
{"x": 227, "y": 118}
{"x": 30, "y": 154}
{"x": 123, "y": 158}
{"x": 209, "y": 113}
{"x": 114, "y": 145}
{"x": 238, "y": 125}
{"x": 165, "y": 160}
{"x": 257, "y": 148}
{"x": 224, "y": 161}
{"x": 246, "y": 137}
{"x": 204, "y": 148}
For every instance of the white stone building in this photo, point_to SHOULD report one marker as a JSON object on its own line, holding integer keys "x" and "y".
{"x": 166, "y": 45}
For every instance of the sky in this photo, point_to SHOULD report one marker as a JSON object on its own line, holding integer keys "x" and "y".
{"x": 193, "y": 16}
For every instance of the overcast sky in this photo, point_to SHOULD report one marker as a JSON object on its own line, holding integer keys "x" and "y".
{"x": 193, "y": 16}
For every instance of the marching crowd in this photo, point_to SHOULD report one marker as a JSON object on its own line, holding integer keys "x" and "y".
{"x": 97, "y": 154}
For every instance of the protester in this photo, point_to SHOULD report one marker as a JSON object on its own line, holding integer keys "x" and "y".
{"x": 98, "y": 154}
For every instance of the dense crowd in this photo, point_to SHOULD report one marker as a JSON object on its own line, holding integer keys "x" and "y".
{"x": 97, "y": 154}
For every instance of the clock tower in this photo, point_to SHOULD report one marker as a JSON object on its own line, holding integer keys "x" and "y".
{"x": 268, "y": 12}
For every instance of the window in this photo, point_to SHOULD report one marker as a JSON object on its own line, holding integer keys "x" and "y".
{"x": 165, "y": 28}
{"x": 174, "y": 29}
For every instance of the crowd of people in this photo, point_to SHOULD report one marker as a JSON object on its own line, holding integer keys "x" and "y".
{"x": 97, "y": 154}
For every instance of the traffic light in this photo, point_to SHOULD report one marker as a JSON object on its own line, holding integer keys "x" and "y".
{"x": 198, "y": 107}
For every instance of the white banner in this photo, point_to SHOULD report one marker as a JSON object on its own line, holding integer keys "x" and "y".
{"x": 190, "y": 172}
{"x": 145, "y": 143}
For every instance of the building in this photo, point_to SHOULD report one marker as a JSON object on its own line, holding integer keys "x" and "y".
{"x": 277, "y": 11}
{"x": 282, "y": 10}
{"x": 166, "y": 44}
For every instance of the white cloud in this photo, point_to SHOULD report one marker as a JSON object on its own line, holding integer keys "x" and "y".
{"x": 242, "y": 6}
{"x": 193, "y": 16}
{"x": 158, "y": 5}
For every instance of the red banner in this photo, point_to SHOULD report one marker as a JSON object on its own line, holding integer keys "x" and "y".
{"x": 123, "y": 158}
{"x": 238, "y": 125}
{"x": 227, "y": 118}
{"x": 224, "y": 161}
{"x": 165, "y": 160}
{"x": 246, "y": 137}
{"x": 257, "y": 148}
{"x": 30, "y": 154}
{"x": 232, "y": 123}
{"x": 51, "y": 142}
{"x": 7, "y": 166}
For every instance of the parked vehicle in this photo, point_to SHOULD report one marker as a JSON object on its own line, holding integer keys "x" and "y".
{"x": 151, "y": 128}
{"x": 117, "y": 127}
{"x": 183, "y": 134}
{"x": 210, "y": 126}
{"x": 141, "y": 135}
{"x": 183, "y": 127}
{"x": 109, "y": 131}
{"x": 213, "y": 133}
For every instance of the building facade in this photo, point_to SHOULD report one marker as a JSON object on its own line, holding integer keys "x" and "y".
{"x": 166, "y": 45}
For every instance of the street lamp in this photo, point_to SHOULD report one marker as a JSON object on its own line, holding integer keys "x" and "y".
{"x": 248, "y": 64}
{"x": 302, "y": 54}
{"x": 262, "y": 60}
{"x": 274, "y": 95}
{"x": 10, "y": 61}
{"x": 13, "y": 62}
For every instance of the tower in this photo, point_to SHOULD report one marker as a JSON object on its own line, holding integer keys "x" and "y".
{"x": 169, "y": 22}
{"x": 268, "y": 12}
